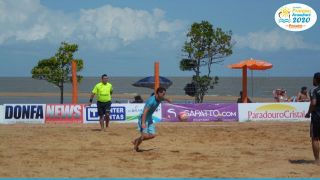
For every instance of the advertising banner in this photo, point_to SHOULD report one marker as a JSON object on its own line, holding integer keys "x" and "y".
{"x": 64, "y": 113}
{"x": 135, "y": 110}
{"x": 23, "y": 113}
{"x": 2, "y": 114}
{"x": 273, "y": 111}
{"x": 200, "y": 112}
{"x": 123, "y": 113}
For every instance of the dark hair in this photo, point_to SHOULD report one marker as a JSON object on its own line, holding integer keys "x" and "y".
{"x": 161, "y": 89}
{"x": 104, "y": 75}
{"x": 316, "y": 76}
{"x": 303, "y": 88}
{"x": 138, "y": 99}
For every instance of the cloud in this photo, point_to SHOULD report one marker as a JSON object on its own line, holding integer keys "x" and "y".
{"x": 106, "y": 27}
{"x": 273, "y": 40}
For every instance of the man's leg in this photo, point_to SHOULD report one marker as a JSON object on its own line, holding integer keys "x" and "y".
{"x": 107, "y": 116}
{"x": 143, "y": 137}
{"x": 101, "y": 112}
{"x": 315, "y": 149}
{"x": 136, "y": 143}
{"x": 107, "y": 119}
{"x": 101, "y": 120}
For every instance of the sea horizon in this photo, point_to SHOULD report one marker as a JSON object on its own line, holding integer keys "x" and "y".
{"x": 258, "y": 87}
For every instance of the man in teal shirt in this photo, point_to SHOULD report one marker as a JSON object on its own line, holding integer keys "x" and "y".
{"x": 145, "y": 122}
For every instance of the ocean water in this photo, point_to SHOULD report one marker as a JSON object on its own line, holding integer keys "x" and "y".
{"x": 227, "y": 86}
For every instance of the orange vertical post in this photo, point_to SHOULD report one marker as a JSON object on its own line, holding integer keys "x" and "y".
{"x": 244, "y": 85}
{"x": 74, "y": 82}
{"x": 156, "y": 76}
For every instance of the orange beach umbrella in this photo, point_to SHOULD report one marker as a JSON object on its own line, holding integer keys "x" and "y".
{"x": 251, "y": 64}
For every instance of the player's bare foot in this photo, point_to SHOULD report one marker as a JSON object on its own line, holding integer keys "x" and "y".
{"x": 135, "y": 143}
{"x": 136, "y": 149}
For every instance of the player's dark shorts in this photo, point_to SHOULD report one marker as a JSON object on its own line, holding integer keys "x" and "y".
{"x": 103, "y": 108}
{"x": 315, "y": 126}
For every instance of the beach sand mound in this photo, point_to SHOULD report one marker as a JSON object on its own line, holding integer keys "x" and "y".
{"x": 264, "y": 149}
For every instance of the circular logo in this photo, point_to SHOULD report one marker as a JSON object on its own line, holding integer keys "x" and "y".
{"x": 183, "y": 116}
{"x": 295, "y": 17}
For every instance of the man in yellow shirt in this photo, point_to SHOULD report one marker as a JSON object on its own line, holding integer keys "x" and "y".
{"x": 103, "y": 90}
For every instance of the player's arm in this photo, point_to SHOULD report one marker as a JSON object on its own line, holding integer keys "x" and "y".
{"x": 144, "y": 116}
{"x": 91, "y": 98}
{"x": 312, "y": 106}
{"x": 93, "y": 93}
{"x": 298, "y": 97}
{"x": 167, "y": 100}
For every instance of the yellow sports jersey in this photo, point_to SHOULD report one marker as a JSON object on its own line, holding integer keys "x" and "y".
{"x": 103, "y": 91}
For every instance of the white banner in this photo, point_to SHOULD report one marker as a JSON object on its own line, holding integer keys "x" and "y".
{"x": 122, "y": 113}
{"x": 273, "y": 111}
{"x": 23, "y": 113}
{"x": 1, "y": 114}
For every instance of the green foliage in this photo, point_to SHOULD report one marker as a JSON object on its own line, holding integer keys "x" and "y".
{"x": 187, "y": 64}
{"x": 57, "y": 69}
{"x": 204, "y": 47}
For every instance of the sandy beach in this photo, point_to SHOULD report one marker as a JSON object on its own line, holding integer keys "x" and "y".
{"x": 253, "y": 149}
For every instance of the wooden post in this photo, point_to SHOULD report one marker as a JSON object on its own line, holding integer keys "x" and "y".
{"x": 74, "y": 82}
{"x": 244, "y": 85}
{"x": 156, "y": 76}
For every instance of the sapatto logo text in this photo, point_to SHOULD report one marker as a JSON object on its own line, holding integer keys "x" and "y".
{"x": 295, "y": 17}
{"x": 276, "y": 112}
{"x": 210, "y": 113}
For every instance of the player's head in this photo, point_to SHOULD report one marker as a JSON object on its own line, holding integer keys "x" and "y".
{"x": 161, "y": 92}
{"x": 316, "y": 79}
{"x": 304, "y": 89}
{"x": 104, "y": 78}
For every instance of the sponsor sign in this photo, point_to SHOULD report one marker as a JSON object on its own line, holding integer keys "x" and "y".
{"x": 64, "y": 113}
{"x": 295, "y": 17}
{"x": 120, "y": 113}
{"x": 199, "y": 112}
{"x": 1, "y": 114}
{"x": 117, "y": 113}
{"x": 135, "y": 110}
{"x": 23, "y": 113}
{"x": 273, "y": 111}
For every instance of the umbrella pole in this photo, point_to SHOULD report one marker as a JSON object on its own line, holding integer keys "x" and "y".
{"x": 251, "y": 83}
{"x": 244, "y": 84}
{"x": 74, "y": 82}
{"x": 156, "y": 76}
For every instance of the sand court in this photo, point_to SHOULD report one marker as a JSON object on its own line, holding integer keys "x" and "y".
{"x": 252, "y": 149}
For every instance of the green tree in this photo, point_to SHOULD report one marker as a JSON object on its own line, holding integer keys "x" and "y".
{"x": 204, "y": 47}
{"x": 57, "y": 69}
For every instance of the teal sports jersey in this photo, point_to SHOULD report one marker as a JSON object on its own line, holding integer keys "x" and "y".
{"x": 152, "y": 104}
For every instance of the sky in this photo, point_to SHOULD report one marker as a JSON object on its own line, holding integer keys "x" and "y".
{"x": 126, "y": 37}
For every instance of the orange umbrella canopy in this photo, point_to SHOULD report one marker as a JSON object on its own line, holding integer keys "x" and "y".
{"x": 252, "y": 64}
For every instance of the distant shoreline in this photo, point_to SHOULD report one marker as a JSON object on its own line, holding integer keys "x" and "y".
{"x": 98, "y": 76}
{"x": 130, "y": 96}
